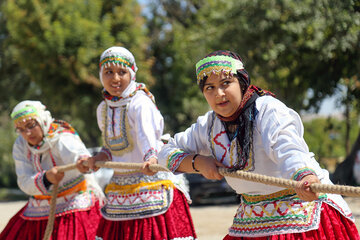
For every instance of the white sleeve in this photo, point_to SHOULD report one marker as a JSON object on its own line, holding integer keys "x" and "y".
{"x": 147, "y": 123}
{"x": 28, "y": 178}
{"x": 195, "y": 139}
{"x": 281, "y": 130}
{"x": 69, "y": 148}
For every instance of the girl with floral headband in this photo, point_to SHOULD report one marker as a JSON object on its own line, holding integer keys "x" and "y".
{"x": 248, "y": 129}
{"x": 141, "y": 205}
{"x": 43, "y": 145}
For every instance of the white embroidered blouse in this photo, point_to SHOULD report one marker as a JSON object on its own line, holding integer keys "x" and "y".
{"x": 76, "y": 191}
{"x": 132, "y": 127}
{"x": 279, "y": 150}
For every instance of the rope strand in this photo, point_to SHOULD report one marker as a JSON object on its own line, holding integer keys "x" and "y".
{"x": 280, "y": 182}
{"x": 51, "y": 218}
{"x": 286, "y": 183}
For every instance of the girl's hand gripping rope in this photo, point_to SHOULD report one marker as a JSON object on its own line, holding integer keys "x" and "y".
{"x": 303, "y": 189}
{"x": 146, "y": 167}
{"x": 208, "y": 167}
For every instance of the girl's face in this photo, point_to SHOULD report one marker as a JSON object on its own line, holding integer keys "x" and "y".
{"x": 223, "y": 94}
{"x": 115, "y": 79}
{"x": 31, "y": 131}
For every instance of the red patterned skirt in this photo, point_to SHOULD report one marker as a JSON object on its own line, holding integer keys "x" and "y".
{"x": 333, "y": 226}
{"x": 80, "y": 225}
{"x": 176, "y": 223}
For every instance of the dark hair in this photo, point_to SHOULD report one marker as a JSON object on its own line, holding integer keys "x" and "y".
{"x": 242, "y": 81}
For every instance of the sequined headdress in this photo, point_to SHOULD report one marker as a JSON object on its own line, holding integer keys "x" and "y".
{"x": 216, "y": 63}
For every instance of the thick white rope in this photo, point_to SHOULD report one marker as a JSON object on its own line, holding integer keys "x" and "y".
{"x": 280, "y": 182}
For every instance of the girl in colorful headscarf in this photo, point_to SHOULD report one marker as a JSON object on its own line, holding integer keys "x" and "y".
{"x": 141, "y": 205}
{"x": 44, "y": 144}
{"x": 248, "y": 129}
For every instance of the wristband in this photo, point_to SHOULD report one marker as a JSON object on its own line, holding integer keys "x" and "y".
{"x": 193, "y": 163}
{"x": 46, "y": 181}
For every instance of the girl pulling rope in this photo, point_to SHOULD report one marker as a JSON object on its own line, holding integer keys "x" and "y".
{"x": 250, "y": 130}
{"x": 141, "y": 205}
{"x": 44, "y": 145}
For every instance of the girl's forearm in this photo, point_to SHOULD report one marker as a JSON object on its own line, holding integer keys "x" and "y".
{"x": 186, "y": 166}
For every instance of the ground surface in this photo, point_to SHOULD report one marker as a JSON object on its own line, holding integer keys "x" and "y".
{"x": 211, "y": 222}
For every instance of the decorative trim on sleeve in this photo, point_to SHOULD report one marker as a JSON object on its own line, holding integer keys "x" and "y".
{"x": 39, "y": 182}
{"x": 303, "y": 172}
{"x": 175, "y": 158}
{"x": 107, "y": 152}
{"x": 151, "y": 153}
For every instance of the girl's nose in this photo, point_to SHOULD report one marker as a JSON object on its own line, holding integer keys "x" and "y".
{"x": 27, "y": 132}
{"x": 220, "y": 92}
{"x": 117, "y": 77}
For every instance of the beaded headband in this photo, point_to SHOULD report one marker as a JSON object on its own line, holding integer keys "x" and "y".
{"x": 117, "y": 60}
{"x": 217, "y": 64}
{"x": 28, "y": 112}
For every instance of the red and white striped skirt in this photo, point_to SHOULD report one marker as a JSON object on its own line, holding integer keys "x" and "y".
{"x": 81, "y": 225}
{"x": 175, "y": 223}
{"x": 333, "y": 226}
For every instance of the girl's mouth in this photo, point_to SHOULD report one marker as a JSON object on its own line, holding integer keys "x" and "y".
{"x": 117, "y": 86}
{"x": 31, "y": 138}
{"x": 222, "y": 104}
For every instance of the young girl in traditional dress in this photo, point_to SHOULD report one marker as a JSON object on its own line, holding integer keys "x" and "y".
{"x": 248, "y": 129}
{"x": 43, "y": 145}
{"x": 139, "y": 206}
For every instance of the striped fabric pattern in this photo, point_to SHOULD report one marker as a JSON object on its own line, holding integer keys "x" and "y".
{"x": 217, "y": 64}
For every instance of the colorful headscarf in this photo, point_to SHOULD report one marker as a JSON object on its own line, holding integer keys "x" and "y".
{"x": 122, "y": 57}
{"x": 51, "y": 128}
{"x": 119, "y": 56}
{"x": 27, "y": 109}
{"x": 218, "y": 62}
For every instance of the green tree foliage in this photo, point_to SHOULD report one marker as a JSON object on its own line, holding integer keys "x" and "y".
{"x": 179, "y": 99}
{"x": 325, "y": 136}
{"x": 349, "y": 99}
{"x": 57, "y": 45}
{"x": 288, "y": 46}
{"x": 49, "y": 51}
{"x": 297, "y": 45}
{"x": 7, "y": 167}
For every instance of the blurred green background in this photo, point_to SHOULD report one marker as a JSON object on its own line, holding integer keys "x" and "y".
{"x": 303, "y": 51}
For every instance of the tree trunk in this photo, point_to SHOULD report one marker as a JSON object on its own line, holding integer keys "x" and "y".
{"x": 347, "y": 128}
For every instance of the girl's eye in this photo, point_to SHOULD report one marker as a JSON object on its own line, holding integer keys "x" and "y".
{"x": 122, "y": 73}
{"x": 226, "y": 82}
{"x": 209, "y": 87}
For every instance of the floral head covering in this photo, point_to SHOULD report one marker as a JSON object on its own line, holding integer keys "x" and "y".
{"x": 27, "y": 109}
{"x": 222, "y": 61}
{"x": 51, "y": 128}
{"x": 118, "y": 56}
